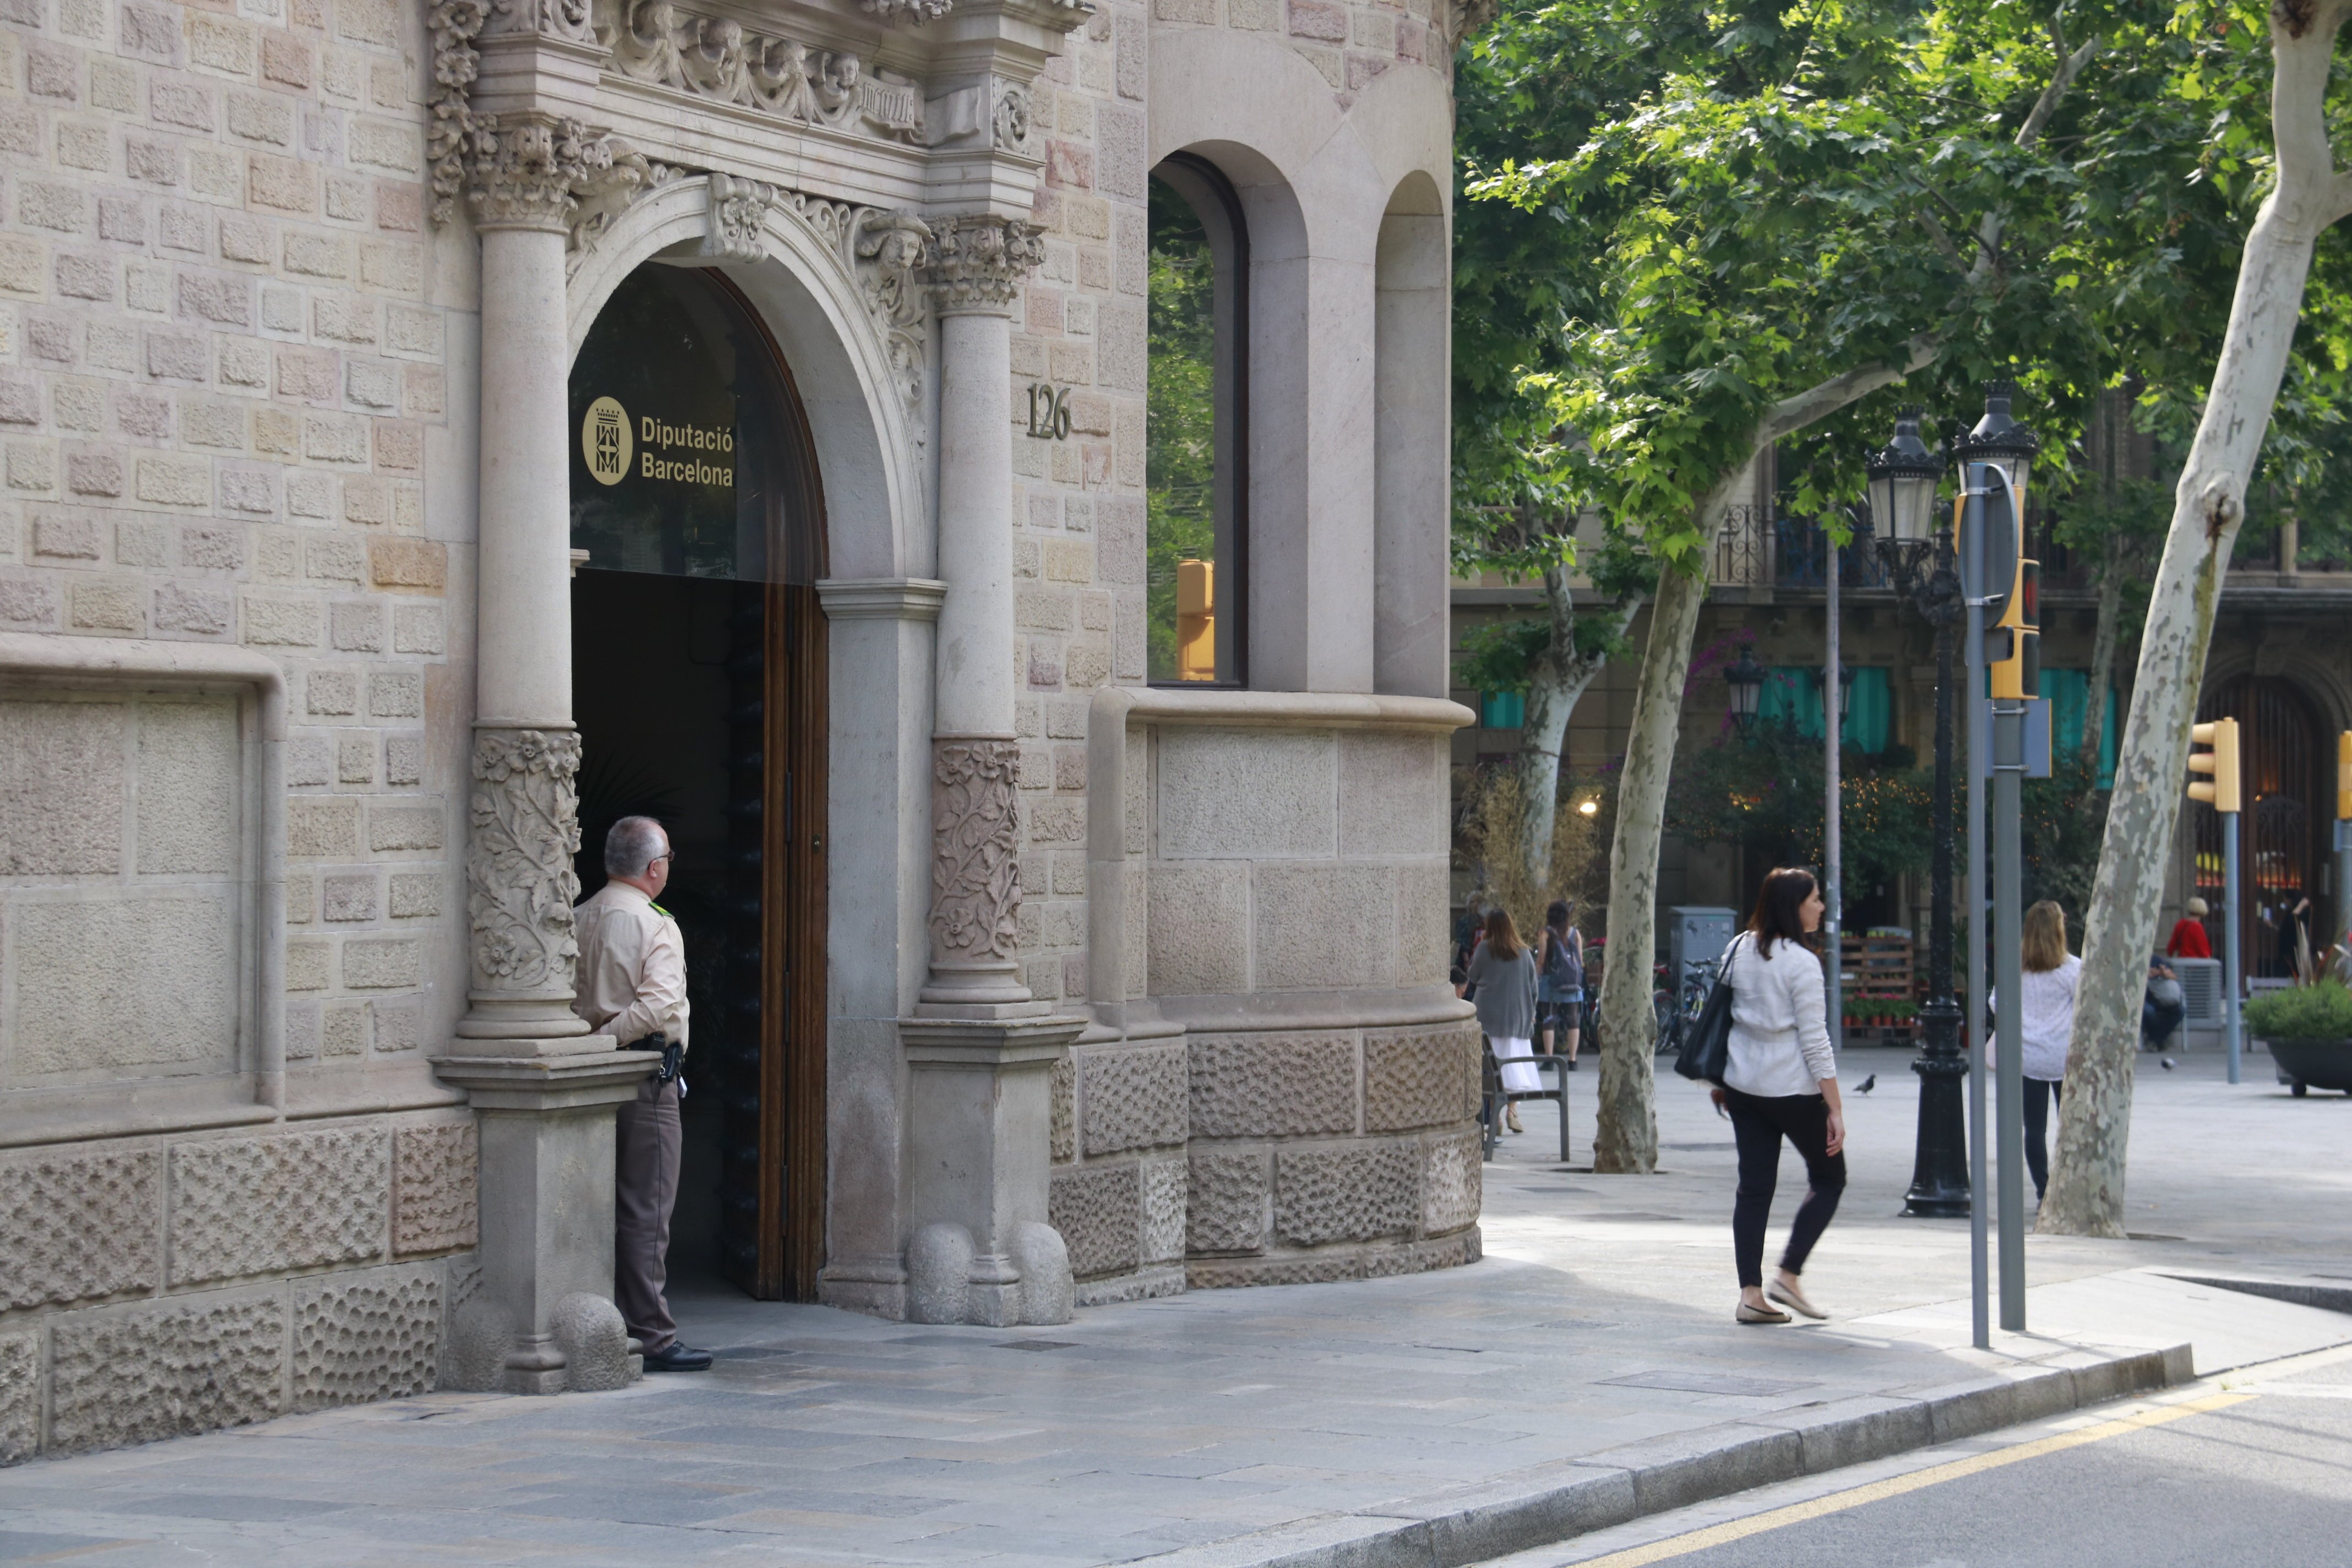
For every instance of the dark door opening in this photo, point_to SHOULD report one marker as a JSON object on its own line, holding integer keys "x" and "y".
{"x": 700, "y": 690}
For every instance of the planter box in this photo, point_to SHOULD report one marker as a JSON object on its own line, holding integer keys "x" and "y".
{"x": 2313, "y": 1064}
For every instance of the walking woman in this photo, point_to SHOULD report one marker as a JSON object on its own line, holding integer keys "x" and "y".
{"x": 1781, "y": 1082}
{"x": 1559, "y": 985}
{"x": 2046, "y": 1022}
{"x": 1503, "y": 987}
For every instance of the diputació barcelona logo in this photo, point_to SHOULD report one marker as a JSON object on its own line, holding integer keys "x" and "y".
{"x": 605, "y": 442}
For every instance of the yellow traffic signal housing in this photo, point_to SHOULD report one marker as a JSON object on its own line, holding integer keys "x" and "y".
{"x": 2013, "y": 647}
{"x": 2219, "y": 789}
{"x": 2343, "y": 777}
{"x": 1196, "y": 620}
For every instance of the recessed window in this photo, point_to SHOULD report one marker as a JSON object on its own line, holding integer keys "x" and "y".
{"x": 1195, "y": 459}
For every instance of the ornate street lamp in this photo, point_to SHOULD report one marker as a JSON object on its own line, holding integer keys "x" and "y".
{"x": 2000, "y": 440}
{"x": 1746, "y": 678}
{"x": 1904, "y": 475}
{"x": 1911, "y": 534}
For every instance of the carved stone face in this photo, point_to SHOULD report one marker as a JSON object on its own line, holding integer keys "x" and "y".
{"x": 843, "y": 70}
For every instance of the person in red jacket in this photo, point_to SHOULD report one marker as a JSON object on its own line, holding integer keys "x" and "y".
{"x": 2187, "y": 939}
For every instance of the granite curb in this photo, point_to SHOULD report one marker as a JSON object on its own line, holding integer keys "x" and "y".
{"x": 1551, "y": 1503}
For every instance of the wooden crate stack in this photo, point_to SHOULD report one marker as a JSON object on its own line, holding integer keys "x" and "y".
{"x": 1882, "y": 967}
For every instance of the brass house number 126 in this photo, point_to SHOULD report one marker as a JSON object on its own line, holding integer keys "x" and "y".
{"x": 1049, "y": 412}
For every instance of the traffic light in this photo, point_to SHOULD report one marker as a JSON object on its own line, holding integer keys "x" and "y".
{"x": 1196, "y": 620}
{"x": 2343, "y": 777}
{"x": 2013, "y": 647}
{"x": 2220, "y": 763}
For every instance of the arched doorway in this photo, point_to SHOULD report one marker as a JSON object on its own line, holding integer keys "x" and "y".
{"x": 2282, "y": 823}
{"x": 699, "y": 683}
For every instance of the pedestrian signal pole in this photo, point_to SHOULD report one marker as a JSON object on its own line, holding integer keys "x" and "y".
{"x": 2013, "y": 662}
{"x": 2219, "y": 789}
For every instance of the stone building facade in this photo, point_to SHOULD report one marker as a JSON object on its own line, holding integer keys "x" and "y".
{"x": 1046, "y": 985}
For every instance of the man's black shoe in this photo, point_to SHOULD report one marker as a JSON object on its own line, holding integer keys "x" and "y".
{"x": 676, "y": 1356}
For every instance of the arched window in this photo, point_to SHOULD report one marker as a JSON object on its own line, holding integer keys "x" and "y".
{"x": 1196, "y": 450}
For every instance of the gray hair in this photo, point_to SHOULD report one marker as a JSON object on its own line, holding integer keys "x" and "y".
{"x": 632, "y": 846}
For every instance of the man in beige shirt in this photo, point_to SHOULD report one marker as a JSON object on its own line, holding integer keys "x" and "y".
{"x": 632, "y": 986}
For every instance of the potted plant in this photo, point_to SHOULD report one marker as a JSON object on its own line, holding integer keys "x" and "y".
{"x": 2308, "y": 1031}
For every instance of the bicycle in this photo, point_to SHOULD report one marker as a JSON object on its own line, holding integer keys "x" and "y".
{"x": 1675, "y": 1017}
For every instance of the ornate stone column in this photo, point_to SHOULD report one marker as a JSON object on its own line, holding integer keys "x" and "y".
{"x": 981, "y": 1052}
{"x": 976, "y": 265}
{"x": 544, "y": 1088}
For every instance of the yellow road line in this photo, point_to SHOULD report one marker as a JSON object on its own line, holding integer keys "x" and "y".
{"x": 1895, "y": 1486}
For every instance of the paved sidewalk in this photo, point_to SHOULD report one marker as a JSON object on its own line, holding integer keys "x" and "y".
{"x": 1588, "y": 1364}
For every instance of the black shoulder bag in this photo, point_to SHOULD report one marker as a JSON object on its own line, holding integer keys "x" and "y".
{"x": 1706, "y": 1055}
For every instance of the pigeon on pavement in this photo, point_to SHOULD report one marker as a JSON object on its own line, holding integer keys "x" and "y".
{"x": 1866, "y": 1085}
{"x": 2164, "y": 1062}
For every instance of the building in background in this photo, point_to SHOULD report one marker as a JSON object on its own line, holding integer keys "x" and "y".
{"x": 2274, "y": 665}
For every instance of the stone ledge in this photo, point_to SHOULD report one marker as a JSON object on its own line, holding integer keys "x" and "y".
{"x": 1555, "y": 1503}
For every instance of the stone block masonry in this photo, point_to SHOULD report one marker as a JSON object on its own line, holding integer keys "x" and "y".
{"x": 157, "y": 1287}
{"x": 223, "y": 396}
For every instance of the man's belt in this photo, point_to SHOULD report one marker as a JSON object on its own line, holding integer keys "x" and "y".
{"x": 673, "y": 1054}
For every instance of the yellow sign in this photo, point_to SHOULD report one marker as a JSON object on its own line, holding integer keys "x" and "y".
{"x": 604, "y": 441}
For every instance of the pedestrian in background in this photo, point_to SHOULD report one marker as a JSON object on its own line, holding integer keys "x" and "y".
{"x": 2189, "y": 940}
{"x": 1503, "y": 987}
{"x": 2045, "y": 1007}
{"x": 1781, "y": 1082}
{"x": 1559, "y": 980}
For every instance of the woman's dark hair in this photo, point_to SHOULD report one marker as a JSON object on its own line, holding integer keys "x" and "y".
{"x": 1556, "y": 916}
{"x": 1777, "y": 906}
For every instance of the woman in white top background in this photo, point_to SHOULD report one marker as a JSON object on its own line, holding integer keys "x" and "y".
{"x": 2045, "y": 996}
{"x": 1781, "y": 1082}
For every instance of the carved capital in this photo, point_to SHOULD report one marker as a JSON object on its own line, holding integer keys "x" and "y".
{"x": 977, "y": 264}
{"x": 453, "y": 26}
{"x": 975, "y": 853}
{"x": 519, "y": 885}
{"x": 532, "y": 169}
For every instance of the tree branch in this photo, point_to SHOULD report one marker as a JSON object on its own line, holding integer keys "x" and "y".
{"x": 1791, "y": 414}
{"x": 2070, "y": 65}
{"x": 1943, "y": 240}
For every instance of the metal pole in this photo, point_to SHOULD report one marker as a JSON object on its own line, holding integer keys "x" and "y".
{"x": 2008, "y": 895}
{"x": 1832, "y": 722}
{"x": 2229, "y": 981}
{"x": 1980, "y": 1262}
{"x": 1939, "y": 1187}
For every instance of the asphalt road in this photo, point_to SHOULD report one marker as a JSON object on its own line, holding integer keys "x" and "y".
{"x": 2253, "y": 1471}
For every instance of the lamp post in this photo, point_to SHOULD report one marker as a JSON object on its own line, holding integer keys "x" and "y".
{"x": 1918, "y": 550}
{"x": 1745, "y": 678}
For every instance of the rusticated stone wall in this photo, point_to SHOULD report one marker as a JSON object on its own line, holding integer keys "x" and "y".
{"x": 1120, "y": 1124}
{"x": 153, "y": 1287}
{"x": 1331, "y": 1153}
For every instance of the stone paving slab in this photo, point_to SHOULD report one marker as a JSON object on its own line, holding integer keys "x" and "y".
{"x": 1586, "y": 1368}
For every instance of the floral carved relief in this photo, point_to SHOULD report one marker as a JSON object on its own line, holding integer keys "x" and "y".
{"x": 975, "y": 842}
{"x": 519, "y": 885}
{"x": 714, "y": 58}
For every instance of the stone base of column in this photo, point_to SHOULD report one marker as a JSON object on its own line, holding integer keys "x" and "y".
{"x": 543, "y": 1321}
{"x": 980, "y": 1124}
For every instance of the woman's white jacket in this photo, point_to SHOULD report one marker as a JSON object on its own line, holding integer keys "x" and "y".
{"x": 1780, "y": 1020}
